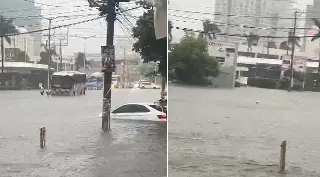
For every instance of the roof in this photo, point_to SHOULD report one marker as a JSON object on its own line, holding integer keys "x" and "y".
{"x": 96, "y": 74}
{"x": 26, "y": 65}
{"x": 67, "y": 73}
{"x": 253, "y": 61}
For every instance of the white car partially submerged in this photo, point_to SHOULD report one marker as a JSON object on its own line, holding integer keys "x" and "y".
{"x": 139, "y": 111}
{"x": 149, "y": 85}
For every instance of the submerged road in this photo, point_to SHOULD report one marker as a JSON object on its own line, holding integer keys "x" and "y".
{"x": 224, "y": 133}
{"x": 76, "y": 145}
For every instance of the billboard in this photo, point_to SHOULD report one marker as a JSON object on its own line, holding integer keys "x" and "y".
{"x": 227, "y": 54}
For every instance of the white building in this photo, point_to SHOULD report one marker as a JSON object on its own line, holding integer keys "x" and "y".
{"x": 23, "y": 42}
{"x": 10, "y": 8}
{"x": 247, "y": 16}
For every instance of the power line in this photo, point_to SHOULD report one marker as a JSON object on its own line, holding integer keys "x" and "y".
{"x": 31, "y": 16}
{"x": 49, "y": 5}
{"x": 61, "y": 26}
{"x": 233, "y": 35}
{"x": 67, "y": 25}
{"x": 245, "y": 16}
{"x": 232, "y": 25}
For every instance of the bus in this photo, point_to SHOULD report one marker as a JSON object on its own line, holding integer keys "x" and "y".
{"x": 68, "y": 83}
{"x": 95, "y": 81}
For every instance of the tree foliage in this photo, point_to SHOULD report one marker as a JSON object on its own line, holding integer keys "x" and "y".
{"x": 7, "y": 27}
{"x": 79, "y": 62}
{"x": 45, "y": 55}
{"x": 149, "y": 48}
{"x": 209, "y": 30}
{"x": 22, "y": 56}
{"x": 190, "y": 62}
{"x": 252, "y": 40}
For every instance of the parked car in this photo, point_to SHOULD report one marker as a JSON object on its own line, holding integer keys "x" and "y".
{"x": 149, "y": 85}
{"x": 139, "y": 111}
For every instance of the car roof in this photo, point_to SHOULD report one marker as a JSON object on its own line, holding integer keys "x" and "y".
{"x": 147, "y": 104}
{"x": 141, "y": 103}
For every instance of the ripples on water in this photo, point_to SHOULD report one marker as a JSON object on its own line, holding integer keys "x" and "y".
{"x": 76, "y": 146}
{"x": 215, "y": 132}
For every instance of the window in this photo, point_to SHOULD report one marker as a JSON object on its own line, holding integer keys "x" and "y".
{"x": 131, "y": 108}
{"x": 158, "y": 108}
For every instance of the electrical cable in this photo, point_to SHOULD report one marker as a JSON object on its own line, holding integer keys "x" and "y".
{"x": 233, "y": 25}
{"x": 232, "y": 35}
{"x": 244, "y": 16}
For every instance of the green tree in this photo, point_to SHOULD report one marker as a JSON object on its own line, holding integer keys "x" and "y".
{"x": 252, "y": 40}
{"x": 79, "y": 62}
{"x": 190, "y": 62}
{"x": 6, "y": 27}
{"x": 209, "y": 30}
{"x": 149, "y": 48}
{"x": 317, "y": 36}
{"x": 22, "y": 56}
{"x": 285, "y": 45}
{"x": 45, "y": 55}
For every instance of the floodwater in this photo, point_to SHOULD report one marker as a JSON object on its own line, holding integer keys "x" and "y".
{"x": 215, "y": 132}
{"x": 76, "y": 145}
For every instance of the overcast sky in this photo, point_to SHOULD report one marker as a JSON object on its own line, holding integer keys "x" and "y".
{"x": 98, "y": 27}
{"x": 200, "y": 6}
{"x": 73, "y": 8}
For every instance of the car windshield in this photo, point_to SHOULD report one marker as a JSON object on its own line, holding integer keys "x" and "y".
{"x": 156, "y": 107}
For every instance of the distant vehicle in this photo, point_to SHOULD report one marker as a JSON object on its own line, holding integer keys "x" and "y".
{"x": 95, "y": 81}
{"x": 139, "y": 111}
{"x": 149, "y": 85}
{"x": 68, "y": 83}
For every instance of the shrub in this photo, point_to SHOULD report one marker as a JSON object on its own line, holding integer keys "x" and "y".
{"x": 263, "y": 82}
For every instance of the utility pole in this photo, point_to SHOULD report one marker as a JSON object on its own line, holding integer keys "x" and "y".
{"x": 49, "y": 46}
{"x": 293, "y": 47}
{"x": 268, "y": 46}
{"x": 60, "y": 55}
{"x": 84, "y": 48}
{"x": 108, "y": 63}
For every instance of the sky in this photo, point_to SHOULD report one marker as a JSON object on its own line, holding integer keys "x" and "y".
{"x": 79, "y": 10}
{"x": 98, "y": 27}
{"x": 199, "y": 6}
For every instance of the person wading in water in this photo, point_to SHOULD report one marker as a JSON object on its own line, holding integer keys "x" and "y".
{"x": 41, "y": 90}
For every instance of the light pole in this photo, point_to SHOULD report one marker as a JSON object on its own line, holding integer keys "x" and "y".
{"x": 84, "y": 49}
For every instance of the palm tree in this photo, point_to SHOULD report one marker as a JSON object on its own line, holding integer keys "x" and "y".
{"x": 285, "y": 45}
{"x": 6, "y": 27}
{"x": 317, "y": 36}
{"x": 252, "y": 40}
{"x": 169, "y": 33}
{"x": 209, "y": 30}
{"x": 45, "y": 55}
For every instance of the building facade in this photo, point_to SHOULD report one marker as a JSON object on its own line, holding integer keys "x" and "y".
{"x": 19, "y": 43}
{"x": 245, "y": 16}
{"x": 312, "y": 11}
{"x": 22, "y": 18}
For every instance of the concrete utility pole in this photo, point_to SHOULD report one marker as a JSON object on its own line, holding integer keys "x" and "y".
{"x": 49, "y": 46}
{"x": 108, "y": 63}
{"x": 293, "y": 47}
{"x": 60, "y": 55}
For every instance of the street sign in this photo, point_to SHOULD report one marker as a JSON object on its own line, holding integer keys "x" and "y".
{"x": 224, "y": 52}
{"x": 108, "y": 58}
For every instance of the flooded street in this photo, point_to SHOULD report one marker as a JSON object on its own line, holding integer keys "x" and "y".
{"x": 238, "y": 132}
{"x": 76, "y": 145}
